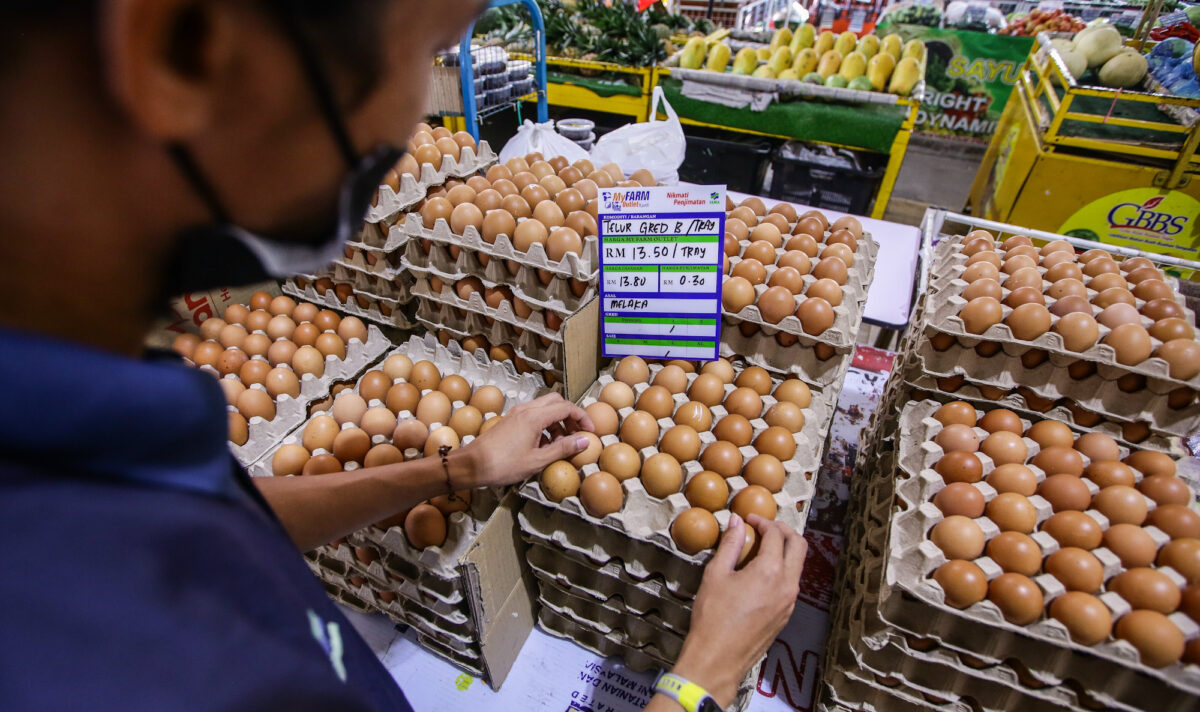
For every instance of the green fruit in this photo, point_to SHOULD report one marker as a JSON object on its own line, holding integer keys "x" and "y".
{"x": 860, "y": 84}
{"x": 836, "y": 81}
{"x": 813, "y": 78}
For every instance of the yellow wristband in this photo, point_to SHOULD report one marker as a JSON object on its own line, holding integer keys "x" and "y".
{"x": 689, "y": 695}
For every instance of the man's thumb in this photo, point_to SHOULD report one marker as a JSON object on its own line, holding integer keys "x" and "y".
{"x": 564, "y": 448}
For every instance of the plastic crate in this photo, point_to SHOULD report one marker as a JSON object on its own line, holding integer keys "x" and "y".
{"x": 739, "y": 164}
{"x": 839, "y": 179}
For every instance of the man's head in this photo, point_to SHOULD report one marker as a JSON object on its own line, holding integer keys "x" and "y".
{"x": 92, "y": 92}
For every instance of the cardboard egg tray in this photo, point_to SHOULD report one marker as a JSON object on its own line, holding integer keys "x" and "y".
{"x": 867, "y": 249}
{"x": 466, "y": 599}
{"x": 266, "y": 435}
{"x": 396, "y": 287}
{"x": 443, "y": 317}
{"x": 613, "y": 619}
{"x": 381, "y": 310}
{"x": 584, "y": 266}
{"x": 912, "y": 603}
{"x": 603, "y": 585}
{"x": 414, "y": 188}
{"x": 925, "y": 386}
{"x": 380, "y": 238}
{"x": 535, "y": 323}
{"x": 795, "y": 359}
{"x": 921, "y": 665}
{"x": 525, "y": 284}
{"x": 370, "y": 260}
{"x": 858, "y": 277}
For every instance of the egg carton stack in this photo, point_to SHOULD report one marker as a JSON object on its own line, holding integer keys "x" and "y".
{"x": 795, "y": 289}
{"x": 449, "y": 568}
{"x": 1084, "y": 339}
{"x": 383, "y": 300}
{"x": 274, "y": 358}
{"x": 508, "y": 257}
{"x": 618, "y": 536}
{"x": 992, "y": 571}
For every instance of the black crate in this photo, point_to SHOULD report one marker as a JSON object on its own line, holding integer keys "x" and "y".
{"x": 846, "y": 188}
{"x": 737, "y": 163}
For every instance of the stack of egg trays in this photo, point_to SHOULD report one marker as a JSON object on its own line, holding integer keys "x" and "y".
{"x": 619, "y": 585}
{"x": 461, "y": 324}
{"x": 584, "y": 266}
{"x": 990, "y": 657}
{"x": 1099, "y": 393}
{"x": 377, "y": 570}
{"x": 847, "y": 315}
{"x": 389, "y": 203}
{"x": 387, "y": 311}
{"x": 266, "y": 435}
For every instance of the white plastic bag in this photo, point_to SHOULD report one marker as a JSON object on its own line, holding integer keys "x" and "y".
{"x": 543, "y": 139}
{"x": 657, "y": 146}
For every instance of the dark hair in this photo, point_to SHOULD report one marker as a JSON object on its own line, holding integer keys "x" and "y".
{"x": 341, "y": 29}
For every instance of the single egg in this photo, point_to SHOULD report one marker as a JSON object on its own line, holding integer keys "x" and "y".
{"x": 1012, "y": 512}
{"x": 765, "y": 470}
{"x": 959, "y": 466}
{"x": 1073, "y": 528}
{"x": 958, "y": 537}
{"x": 1065, "y": 492}
{"x": 1076, "y": 569}
{"x": 1005, "y": 447}
{"x": 620, "y": 460}
{"x": 603, "y": 417}
{"x": 1018, "y": 598}
{"x": 661, "y": 475}
{"x": 723, "y": 458}
{"x": 695, "y": 415}
{"x": 1013, "y": 478}
{"x": 559, "y": 480}
{"x": 960, "y": 498}
{"x": 601, "y": 494}
{"x": 695, "y": 530}
{"x": 681, "y": 442}
{"x": 1158, "y": 641}
{"x": 434, "y": 407}
{"x": 1016, "y": 553}
{"x": 425, "y": 526}
{"x": 351, "y": 445}
{"x": 754, "y": 499}
{"x": 1131, "y": 544}
{"x": 618, "y": 395}
{"x": 410, "y": 434}
{"x": 1085, "y": 617}
{"x": 1058, "y": 460}
{"x": 402, "y": 397}
{"x": 962, "y": 582}
{"x": 707, "y": 490}
{"x": 1177, "y": 520}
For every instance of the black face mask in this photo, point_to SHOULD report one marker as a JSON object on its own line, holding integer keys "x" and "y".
{"x": 222, "y": 254}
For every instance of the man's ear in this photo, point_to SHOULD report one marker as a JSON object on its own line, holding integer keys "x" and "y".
{"x": 164, "y": 61}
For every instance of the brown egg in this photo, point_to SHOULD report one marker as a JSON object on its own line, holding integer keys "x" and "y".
{"x": 1104, "y": 282}
{"x": 1028, "y": 321}
{"x": 997, "y": 420}
{"x": 582, "y": 223}
{"x": 809, "y": 226}
{"x": 1064, "y": 271}
{"x": 802, "y": 242}
{"x": 723, "y": 458}
{"x": 1164, "y": 330}
{"x": 1130, "y": 342}
{"x": 1051, "y": 433}
{"x": 960, "y": 498}
{"x": 1085, "y": 617}
{"x": 621, "y": 460}
{"x": 604, "y": 418}
{"x": 434, "y": 407}
{"x": 983, "y": 288}
{"x": 601, "y": 494}
{"x": 1158, "y": 641}
{"x": 319, "y": 433}
{"x": 443, "y": 436}
{"x": 672, "y": 378}
{"x": 410, "y": 433}
{"x": 776, "y": 441}
{"x": 831, "y": 268}
{"x": 765, "y": 470}
{"x": 1023, "y": 295}
{"x": 559, "y": 480}
{"x": 754, "y": 499}
{"x": 816, "y": 315}
{"x": 349, "y": 407}
{"x": 1018, "y": 598}
{"x": 695, "y": 415}
{"x": 332, "y": 344}
{"x": 618, "y": 395}
{"x": 695, "y": 530}
{"x": 1073, "y": 528}
{"x": 656, "y": 400}
{"x": 351, "y": 445}
{"x": 402, "y": 397}
{"x": 963, "y": 583}
{"x": 1177, "y": 520}
{"x": 1069, "y": 287}
{"x": 1106, "y": 473}
{"x": 1012, "y": 512}
{"x": 467, "y": 420}
{"x": 1183, "y": 555}
{"x": 793, "y": 390}
{"x": 1079, "y": 331}
{"x": 239, "y": 431}
{"x": 425, "y": 526}
{"x": 632, "y": 370}
{"x": 1098, "y": 446}
{"x": 1057, "y": 459}
{"x": 1143, "y": 274}
{"x": 1005, "y": 448}
{"x": 779, "y": 222}
{"x": 681, "y": 442}
{"x": 1150, "y": 289}
{"x": 957, "y": 437}
{"x": 289, "y": 460}
{"x": 639, "y": 429}
{"x": 1131, "y": 544}
{"x": 1164, "y": 489}
{"x": 1016, "y": 553}
{"x": 736, "y": 294}
{"x": 661, "y": 475}
{"x": 707, "y": 389}
{"x": 1076, "y": 569}
{"x": 1101, "y": 265}
{"x": 1182, "y": 357}
{"x": 254, "y": 403}
{"x": 980, "y": 314}
{"x": 1065, "y": 491}
{"x": 745, "y": 402}
{"x": 958, "y": 537}
{"x": 956, "y": 412}
{"x": 1146, "y": 588}
{"x": 1150, "y": 463}
{"x": 959, "y": 466}
{"x": 1013, "y": 478}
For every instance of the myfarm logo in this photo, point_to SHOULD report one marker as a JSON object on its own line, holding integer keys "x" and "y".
{"x": 625, "y": 200}
{"x": 1144, "y": 218}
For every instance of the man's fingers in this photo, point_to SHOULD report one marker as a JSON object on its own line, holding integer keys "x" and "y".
{"x": 554, "y": 408}
{"x": 771, "y": 536}
{"x": 561, "y": 449}
{"x": 730, "y": 548}
{"x": 794, "y": 552}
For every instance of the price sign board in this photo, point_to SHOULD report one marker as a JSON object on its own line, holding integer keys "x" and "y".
{"x": 661, "y": 258}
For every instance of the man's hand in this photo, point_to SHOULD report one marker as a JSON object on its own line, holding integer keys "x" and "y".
{"x": 529, "y": 437}
{"x": 738, "y": 613}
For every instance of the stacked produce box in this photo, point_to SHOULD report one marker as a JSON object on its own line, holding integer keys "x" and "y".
{"x": 1026, "y": 537}
{"x": 618, "y": 536}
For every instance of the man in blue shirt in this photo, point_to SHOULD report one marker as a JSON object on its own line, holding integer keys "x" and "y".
{"x": 154, "y": 147}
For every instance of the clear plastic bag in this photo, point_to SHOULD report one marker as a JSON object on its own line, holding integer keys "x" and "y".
{"x": 657, "y": 146}
{"x": 543, "y": 139}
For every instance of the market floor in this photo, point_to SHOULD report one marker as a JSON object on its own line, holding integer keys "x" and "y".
{"x": 935, "y": 172}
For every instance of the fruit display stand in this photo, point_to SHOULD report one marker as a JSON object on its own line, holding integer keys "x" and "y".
{"x": 842, "y": 118}
{"x": 1119, "y": 165}
{"x": 574, "y": 84}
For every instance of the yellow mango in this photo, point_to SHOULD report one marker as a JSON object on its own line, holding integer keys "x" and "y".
{"x": 906, "y": 76}
{"x": 789, "y": 73}
{"x": 781, "y": 60}
{"x": 830, "y": 61}
{"x": 806, "y": 61}
{"x": 718, "y": 57}
{"x": 891, "y": 45}
{"x": 914, "y": 49}
{"x": 693, "y": 54}
{"x": 763, "y": 54}
{"x": 845, "y": 43}
{"x": 854, "y": 65}
{"x": 782, "y": 38}
{"x": 824, "y": 43}
{"x": 764, "y": 71}
{"x": 869, "y": 45}
{"x": 879, "y": 70}
{"x": 804, "y": 37}
{"x": 745, "y": 61}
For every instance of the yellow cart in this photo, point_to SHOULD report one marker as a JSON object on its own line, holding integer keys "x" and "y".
{"x": 1118, "y": 167}
{"x": 901, "y": 110}
{"x": 587, "y": 95}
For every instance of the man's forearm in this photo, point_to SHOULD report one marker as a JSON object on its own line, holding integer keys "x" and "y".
{"x": 317, "y": 509}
